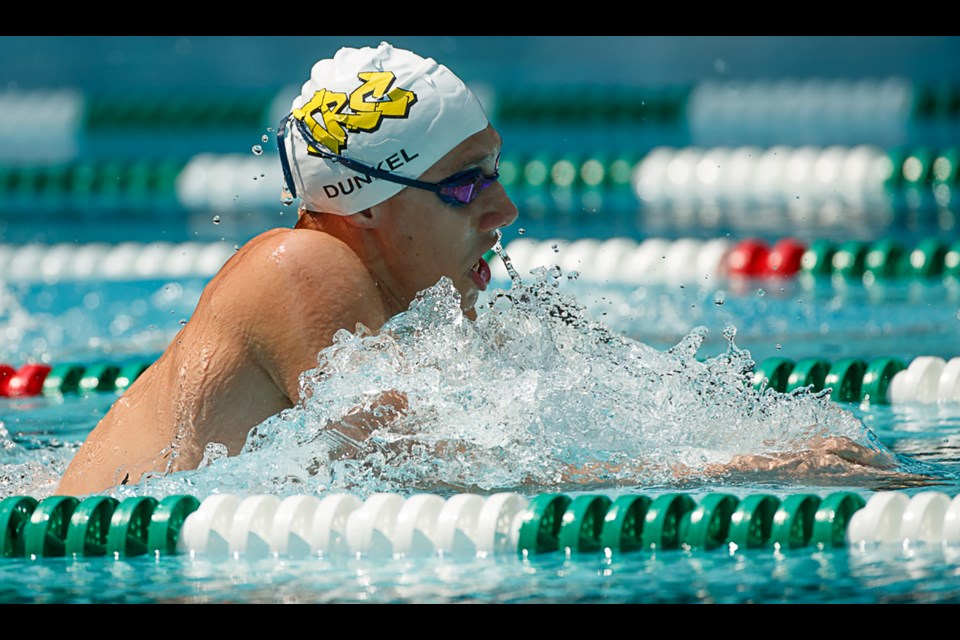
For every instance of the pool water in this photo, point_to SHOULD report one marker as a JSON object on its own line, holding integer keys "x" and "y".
{"x": 90, "y": 321}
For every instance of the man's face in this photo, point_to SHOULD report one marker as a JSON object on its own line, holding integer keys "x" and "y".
{"x": 422, "y": 238}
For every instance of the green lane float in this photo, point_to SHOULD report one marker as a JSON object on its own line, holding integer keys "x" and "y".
{"x": 90, "y": 526}
{"x": 773, "y": 373}
{"x": 751, "y": 523}
{"x": 808, "y": 372}
{"x": 850, "y": 379}
{"x": 129, "y": 527}
{"x": 540, "y": 528}
{"x": 832, "y": 518}
{"x": 63, "y": 378}
{"x": 99, "y": 377}
{"x": 623, "y": 523}
{"x": 166, "y": 521}
{"x": 128, "y": 373}
{"x": 582, "y": 524}
{"x": 45, "y": 533}
{"x": 793, "y": 522}
{"x": 15, "y": 512}
{"x": 661, "y": 526}
{"x": 845, "y": 378}
{"x": 876, "y": 379}
{"x": 708, "y": 524}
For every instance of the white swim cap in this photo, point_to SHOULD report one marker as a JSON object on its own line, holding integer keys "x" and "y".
{"x": 385, "y": 107}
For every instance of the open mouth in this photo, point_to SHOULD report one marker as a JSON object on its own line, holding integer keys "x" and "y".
{"x": 481, "y": 274}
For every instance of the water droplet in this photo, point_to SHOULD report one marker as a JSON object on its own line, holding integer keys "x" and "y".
{"x": 761, "y": 292}
{"x": 183, "y": 322}
{"x": 720, "y": 298}
{"x": 729, "y": 332}
{"x": 522, "y": 231}
{"x": 236, "y": 247}
{"x": 286, "y": 197}
{"x": 573, "y": 275}
{"x": 257, "y": 150}
{"x": 216, "y": 219}
{"x": 779, "y": 346}
{"x": 555, "y": 248}
{"x": 264, "y": 138}
{"x": 507, "y": 262}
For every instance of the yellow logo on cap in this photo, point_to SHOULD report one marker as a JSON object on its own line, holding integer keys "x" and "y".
{"x": 324, "y": 115}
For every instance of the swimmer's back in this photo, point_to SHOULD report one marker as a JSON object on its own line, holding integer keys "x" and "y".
{"x": 259, "y": 323}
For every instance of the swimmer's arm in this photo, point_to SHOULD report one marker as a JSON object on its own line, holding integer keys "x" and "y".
{"x": 834, "y": 457}
{"x": 315, "y": 288}
{"x": 348, "y": 434}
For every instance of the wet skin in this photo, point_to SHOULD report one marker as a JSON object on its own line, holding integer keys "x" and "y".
{"x": 262, "y": 320}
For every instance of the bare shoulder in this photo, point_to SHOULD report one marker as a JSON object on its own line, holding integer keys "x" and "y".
{"x": 301, "y": 264}
{"x": 286, "y": 293}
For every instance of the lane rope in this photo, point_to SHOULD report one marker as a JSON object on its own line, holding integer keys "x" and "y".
{"x": 465, "y": 525}
{"x": 925, "y": 379}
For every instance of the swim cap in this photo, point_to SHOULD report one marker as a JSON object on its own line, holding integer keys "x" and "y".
{"x": 385, "y": 107}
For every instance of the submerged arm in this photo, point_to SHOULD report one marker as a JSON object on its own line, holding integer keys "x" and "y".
{"x": 832, "y": 460}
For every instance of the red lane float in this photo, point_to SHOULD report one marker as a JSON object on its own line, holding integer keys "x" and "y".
{"x": 6, "y": 372}
{"x": 752, "y": 258}
{"x": 785, "y": 258}
{"x": 748, "y": 258}
{"x": 26, "y": 381}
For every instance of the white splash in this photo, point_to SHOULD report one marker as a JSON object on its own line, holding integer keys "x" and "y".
{"x": 530, "y": 391}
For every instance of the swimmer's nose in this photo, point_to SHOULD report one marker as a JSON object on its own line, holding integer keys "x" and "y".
{"x": 498, "y": 210}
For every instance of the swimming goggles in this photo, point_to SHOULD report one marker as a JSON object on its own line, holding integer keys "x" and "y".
{"x": 458, "y": 190}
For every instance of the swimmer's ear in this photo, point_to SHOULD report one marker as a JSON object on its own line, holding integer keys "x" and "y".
{"x": 366, "y": 219}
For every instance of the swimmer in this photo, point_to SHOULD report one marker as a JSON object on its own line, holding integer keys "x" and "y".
{"x": 395, "y": 165}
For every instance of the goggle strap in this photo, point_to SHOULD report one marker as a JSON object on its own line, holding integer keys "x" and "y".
{"x": 284, "y": 161}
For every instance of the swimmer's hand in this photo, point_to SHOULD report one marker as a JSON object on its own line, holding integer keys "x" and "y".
{"x": 834, "y": 460}
{"x": 824, "y": 461}
{"x": 834, "y": 455}
{"x": 348, "y": 435}
{"x": 823, "y": 455}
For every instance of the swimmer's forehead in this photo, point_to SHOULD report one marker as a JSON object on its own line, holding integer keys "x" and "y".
{"x": 480, "y": 150}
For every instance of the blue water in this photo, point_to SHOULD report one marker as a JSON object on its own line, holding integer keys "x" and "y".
{"x": 674, "y": 578}
{"x": 85, "y": 321}
{"x": 90, "y": 321}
